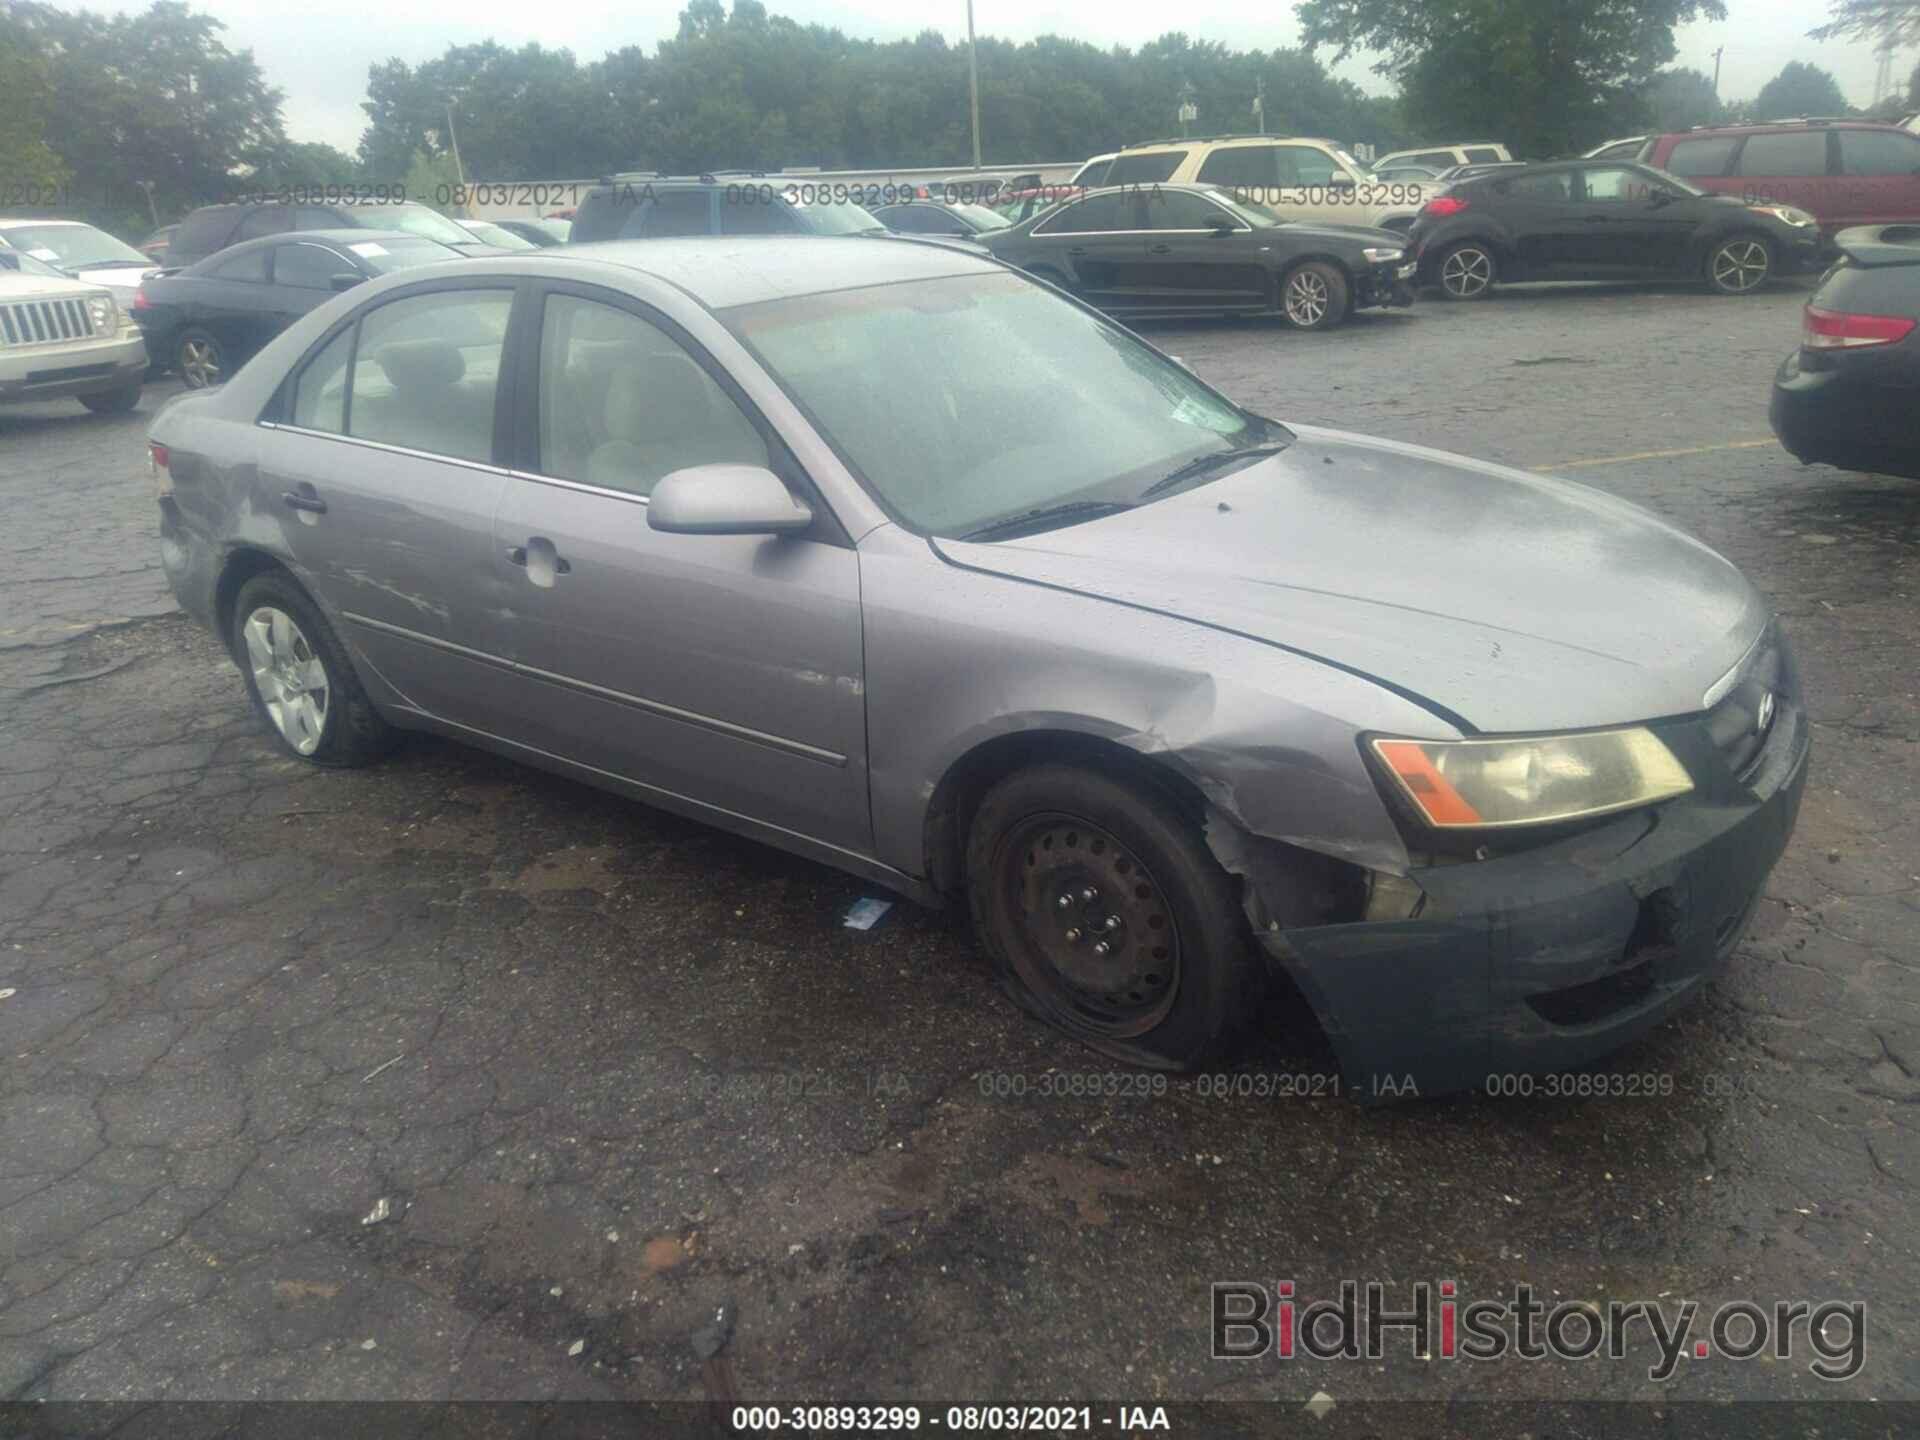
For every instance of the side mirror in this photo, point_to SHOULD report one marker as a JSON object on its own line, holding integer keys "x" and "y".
{"x": 725, "y": 500}
{"x": 1221, "y": 225}
{"x": 345, "y": 280}
{"x": 1662, "y": 197}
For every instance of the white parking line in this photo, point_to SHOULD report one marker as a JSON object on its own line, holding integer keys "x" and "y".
{"x": 1654, "y": 455}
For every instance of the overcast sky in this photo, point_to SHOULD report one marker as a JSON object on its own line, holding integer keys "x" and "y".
{"x": 319, "y": 56}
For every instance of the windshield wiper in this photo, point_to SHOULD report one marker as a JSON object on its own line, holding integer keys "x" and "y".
{"x": 1213, "y": 460}
{"x": 1045, "y": 516}
{"x": 104, "y": 264}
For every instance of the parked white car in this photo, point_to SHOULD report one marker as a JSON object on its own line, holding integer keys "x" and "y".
{"x": 1296, "y": 177}
{"x": 62, "y": 337}
{"x": 83, "y": 251}
{"x": 1445, "y": 157}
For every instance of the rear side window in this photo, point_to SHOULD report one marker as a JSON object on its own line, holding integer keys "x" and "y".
{"x": 203, "y": 232}
{"x": 1101, "y": 212}
{"x": 250, "y": 268}
{"x": 1797, "y": 152}
{"x": 1879, "y": 152}
{"x": 1246, "y": 167}
{"x": 1179, "y": 210}
{"x": 267, "y": 220}
{"x": 1093, "y": 174}
{"x": 675, "y": 212}
{"x": 1147, "y": 169}
{"x": 1707, "y": 156}
{"x": 1552, "y": 188}
{"x": 1481, "y": 154}
{"x": 1440, "y": 159}
{"x": 426, "y": 371}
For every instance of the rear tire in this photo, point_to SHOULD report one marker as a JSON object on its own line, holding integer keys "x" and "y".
{"x": 199, "y": 359}
{"x": 1178, "y": 972}
{"x": 1466, "y": 271}
{"x": 1314, "y": 295}
{"x": 299, "y": 678}
{"x": 1739, "y": 264}
{"x": 113, "y": 402}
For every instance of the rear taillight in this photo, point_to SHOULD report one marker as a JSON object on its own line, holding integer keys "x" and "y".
{"x": 158, "y": 459}
{"x": 140, "y": 300}
{"x": 1442, "y": 206}
{"x": 1836, "y": 330}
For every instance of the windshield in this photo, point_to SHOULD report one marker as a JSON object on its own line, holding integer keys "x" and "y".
{"x": 74, "y": 247}
{"x": 981, "y": 217}
{"x": 396, "y": 253}
{"x": 835, "y": 217}
{"x": 494, "y": 235}
{"x": 415, "y": 220}
{"x": 973, "y": 398}
{"x": 20, "y": 262}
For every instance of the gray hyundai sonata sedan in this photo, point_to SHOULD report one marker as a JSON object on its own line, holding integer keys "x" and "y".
{"x": 878, "y": 552}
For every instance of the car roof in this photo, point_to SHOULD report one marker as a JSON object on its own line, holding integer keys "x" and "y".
{"x": 721, "y": 272}
{"x": 337, "y": 237}
{"x": 1188, "y": 142}
{"x": 1762, "y": 127}
{"x": 44, "y": 220}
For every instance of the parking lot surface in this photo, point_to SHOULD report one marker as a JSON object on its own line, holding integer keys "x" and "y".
{"x": 450, "y": 1079}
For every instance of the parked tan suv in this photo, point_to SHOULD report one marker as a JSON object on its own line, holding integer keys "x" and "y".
{"x": 61, "y": 337}
{"x": 1297, "y": 177}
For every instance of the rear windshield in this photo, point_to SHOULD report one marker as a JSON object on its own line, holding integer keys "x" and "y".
{"x": 395, "y": 252}
{"x": 1149, "y": 168}
{"x": 414, "y": 219}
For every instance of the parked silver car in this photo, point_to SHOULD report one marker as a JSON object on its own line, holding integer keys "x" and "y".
{"x": 879, "y": 552}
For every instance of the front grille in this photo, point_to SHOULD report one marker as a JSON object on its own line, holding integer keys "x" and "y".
{"x": 1736, "y": 725}
{"x": 44, "y": 322}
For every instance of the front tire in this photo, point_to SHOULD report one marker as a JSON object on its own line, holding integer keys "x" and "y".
{"x": 113, "y": 402}
{"x": 299, "y": 678}
{"x": 1313, "y": 296}
{"x": 1106, "y": 915}
{"x": 199, "y": 359}
{"x": 1739, "y": 264}
{"x": 1467, "y": 271}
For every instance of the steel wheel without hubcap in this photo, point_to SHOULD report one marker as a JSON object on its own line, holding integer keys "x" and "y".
{"x": 1307, "y": 299}
{"x": 199, "y": 363}
{"x": 1466, "y": 272}
{"x": 1739, "y": 265}
{"x": 291, "y": 680}
{"x": 1095, "y": 937}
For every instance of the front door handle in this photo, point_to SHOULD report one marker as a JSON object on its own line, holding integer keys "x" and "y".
{"x": 304, "y": 500}
{"x": 1076, "y": 249}
{"x": 540, "y": 560}
{"x": 1160, "y": 249}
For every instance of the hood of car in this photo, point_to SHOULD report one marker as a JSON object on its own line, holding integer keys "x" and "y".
{"x": 121, "y": 279}
{"x": 16, "y": 286}
{"x": 1508, "y": 602}
{"x": 1356, "y": 235}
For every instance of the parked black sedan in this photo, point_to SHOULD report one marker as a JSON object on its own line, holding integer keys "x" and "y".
{"x": 1140, "y": 250}
{"x": 1849, "y": 394}
{"x": 204, "y": 321}
{"x": 939, "y": 217}
{"x": 1603, "y": 220}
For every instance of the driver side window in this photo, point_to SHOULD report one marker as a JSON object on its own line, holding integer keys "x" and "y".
{"x": 622, "y": 404}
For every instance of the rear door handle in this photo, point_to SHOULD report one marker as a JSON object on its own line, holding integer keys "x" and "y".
{"x": 1076, "y": 249}
{"x": 312, "y": 504}
{"x": 1160, "y": 249}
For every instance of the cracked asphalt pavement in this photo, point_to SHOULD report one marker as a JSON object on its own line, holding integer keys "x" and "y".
{"x": 449, "y": 1079}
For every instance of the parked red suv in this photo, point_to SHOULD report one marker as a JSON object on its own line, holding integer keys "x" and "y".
{"x": 1844, "y": 172}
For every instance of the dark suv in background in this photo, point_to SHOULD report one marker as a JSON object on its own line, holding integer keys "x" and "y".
{"x": 651, "y": 207}
{"x": 212, "y": 228}
{"x": 1843, "y": 172}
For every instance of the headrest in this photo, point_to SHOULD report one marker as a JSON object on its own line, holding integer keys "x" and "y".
{"x": 421, "y": 364}
{"x": 666, "y": 397}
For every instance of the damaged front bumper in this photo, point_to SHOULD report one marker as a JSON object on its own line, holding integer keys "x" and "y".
{"x": 1389, "y": 284}
{"x": 1555, "y": 956}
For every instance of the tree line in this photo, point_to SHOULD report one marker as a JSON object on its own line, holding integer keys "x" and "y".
{"x": 138, "y": 117}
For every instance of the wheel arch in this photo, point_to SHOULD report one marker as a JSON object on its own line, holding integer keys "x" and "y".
{"x": 241, "y": 564}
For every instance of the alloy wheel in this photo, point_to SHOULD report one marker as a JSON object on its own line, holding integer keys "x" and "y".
{"x": 1466, "y": 272}
{"x": 1739, "y": 265}
{"x": 1306, "y": 299}
{"x": 289, "y": 676}
{"x": 1096, "y": 936}
{"x": 199, "y": 363}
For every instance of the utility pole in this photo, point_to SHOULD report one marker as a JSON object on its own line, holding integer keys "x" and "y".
{"x": 458, "y": 169}
{"x": 1716, "y": 73}
{"x": 973, "y": 84}
{"x": 1260, "y": 101}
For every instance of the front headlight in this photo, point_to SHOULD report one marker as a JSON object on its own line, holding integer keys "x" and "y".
{"x": 1380, "y": 255}
{"x": 1485, "y": 784}
{"x": 100, "y": 310}
{"x": 1786, "y": 214}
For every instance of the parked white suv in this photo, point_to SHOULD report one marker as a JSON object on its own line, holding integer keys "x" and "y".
{"x": 61, "y": 337}
{"x": 1296, "y": 177}
{"x": 1445, "y": 157}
